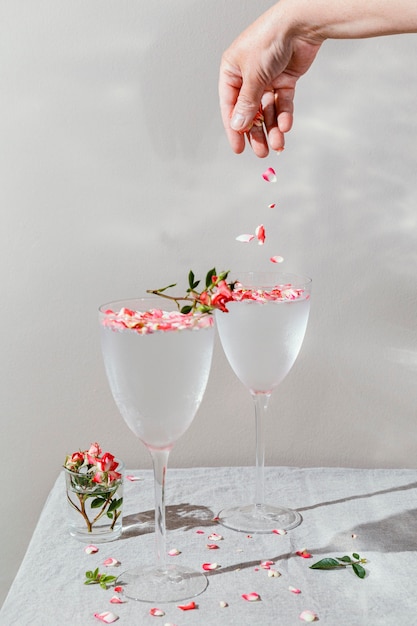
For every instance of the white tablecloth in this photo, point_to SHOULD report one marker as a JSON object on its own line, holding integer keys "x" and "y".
{"x": 372, "y": 512}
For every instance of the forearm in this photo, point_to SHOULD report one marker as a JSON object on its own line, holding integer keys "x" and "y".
{"x": 346, "y": 19}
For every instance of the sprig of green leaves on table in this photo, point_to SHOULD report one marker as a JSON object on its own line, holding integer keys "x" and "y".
{"x": 95, "y": 578}
{"x": 343, "y": 561}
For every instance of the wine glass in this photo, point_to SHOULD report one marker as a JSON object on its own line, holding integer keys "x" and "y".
{"x": 157, "y": 364}
{"x": 261, "y": 337}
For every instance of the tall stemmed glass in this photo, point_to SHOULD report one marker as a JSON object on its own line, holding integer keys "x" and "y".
{"x": 261, "y": 336}
{"x": 157, "y": 365}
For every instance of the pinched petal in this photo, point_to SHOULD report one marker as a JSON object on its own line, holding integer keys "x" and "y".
{"x": 107, "y": 617}
{"x": 111, "y": 562}
{"x": 200, "y": 532}
{"x": 156, "y": 612}
{"x": 271, "y": 206}
{"x": 269, "y": 175}
{"x": 118, "y": 589}
{"x": 174, "y": 552}
{"x": 133, "y": 478}
{"x": 308, "y": 616}
{"x": 279, "y": 531}
{"x": 251, "y": 597}
{"x": 294, "y": 589}
{"x": 212, "y": 546}
{"x": 267, "y": 564}
{"x": 245, "y": 238}
{"x": 276, "y": 259}
{"x": 260, "y": 234}
{"x": 90, "y": 549}
{"x": 187, "y": 607}
{"x": 304, "y": 554}
{"x": 210, "y": 566}
{"x": 116, "y": 600}
{"x": 215, "y": 537}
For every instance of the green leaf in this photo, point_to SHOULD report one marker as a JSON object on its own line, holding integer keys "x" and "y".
{"x": 326, "y": 563}
{"x": 209, "y": 276}
{"x": 186, "y": 309}
{"x": 165, "y": 288}
{"x": 359, "y": 570}
{"x": 191, "y": 279}
{"x": 97, "y": 503}
{"x": 115, "y": 505}
{"x": 356, "y": 556}
{"x": 345, "y": 559}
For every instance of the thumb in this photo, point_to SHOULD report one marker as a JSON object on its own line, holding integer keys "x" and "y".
{"x": 247, "y": 106}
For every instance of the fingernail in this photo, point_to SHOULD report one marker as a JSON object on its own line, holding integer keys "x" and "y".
{"x": 237, "y": 121}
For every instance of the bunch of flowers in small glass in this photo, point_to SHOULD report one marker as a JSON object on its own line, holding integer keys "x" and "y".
{"x": 94, "y": 487}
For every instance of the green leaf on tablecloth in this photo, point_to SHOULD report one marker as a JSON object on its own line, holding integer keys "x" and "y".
{"x": 327, "y": 563}
{"x": 345, "y": 559}
{"x": 359, "y": 570}
{"x": 356, "y": 556}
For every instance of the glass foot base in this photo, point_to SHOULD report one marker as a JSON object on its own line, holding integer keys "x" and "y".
{"x": 170, "y": 584}
{"x": 259, "y": 518}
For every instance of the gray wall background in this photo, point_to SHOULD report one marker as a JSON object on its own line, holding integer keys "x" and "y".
{"x": 116, "y": 177}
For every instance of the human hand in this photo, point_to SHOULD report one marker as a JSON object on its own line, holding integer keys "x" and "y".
{"x": 258, "y": 74}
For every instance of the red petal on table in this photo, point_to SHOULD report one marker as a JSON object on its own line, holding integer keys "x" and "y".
{"x": 251, "y": 597}
{"x": 294, "y": 589}
{"x": 209, "y": 566}
{"x": 133, "y": 478}
{"x": 271, "y": 206}
{"x": 156, "y": 612}
{"x": 174, "y": 552}
{"x": 276, "y": 259}
{"x": 267, "y": 564}
{"x": 269, "y": 175}
{"x": 308, "y": 616}
{"x": 279, "y": 531}
{"x": 304, "y": 554}
{"x": 107, "y": 617}
{"x": 260, "y": 234}
{"x": 200, "y": 532}
{"x": 90, "y": 549}
{"x": 187, "y": 607}
{"x": 110, "y": 562}
{"x": 116, "y": 600}
{"x": 118, "y": 589}
{"x": 245, "y": 238}
{"x": 215, "y": 537}
{"x": 212, "y": 546}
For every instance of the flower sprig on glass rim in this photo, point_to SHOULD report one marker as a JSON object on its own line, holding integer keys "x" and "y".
{"x": 94, "y": 481}
{"x": 341, "y": 562}
{"x": 95, "y": 578}
{"x": 215, "y": 294}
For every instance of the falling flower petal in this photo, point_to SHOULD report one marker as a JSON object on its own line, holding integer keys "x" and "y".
{"x": 116, "y": 600}
{"x": 304, "y": 554}
{"x": 133, "y": 478}
{"x": 251, "y": 597}
{"x": 174, "y": 552}
{"x": 212, "y": 546}
{"x": 260, "y": 234}
{"x": 271, "y": 206}
{"x": 107, "y": 617}
{"x": 267, "y": 564}
{"x": 273, "y": 573}
{"x": 210, "y": 566}
{"x": 294, "y": 589}
{"x": 269, "y": 175}
{"x": 156, "y": 612}
{"x": 245, "y": 238}
{"x": 279, "y": 531}
{"x": 223, "y": 604}
{"x": 276, "y": 259}
{"x": 110, "y": 562}
{"x": 215, "y": 537}
{"x": 308, "y": 616}
{"x": 90, "y": 549}
{"x": 118, "y": 589}
{"x": 187, "y": 607}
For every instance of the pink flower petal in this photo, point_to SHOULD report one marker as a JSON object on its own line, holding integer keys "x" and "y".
{"x": 118, "y": 589}
{"x": 308, "y": 616}
{"x": 271, "y": 206}
{"x": 187, "y": 607}
{"x": 200, "y": 532}
{"x": 245, "y": 238}
{"x": 107, "y": 617}
{"x": 294, "y": 589}
{"x": 215, "y": 537}
{"x": 212, "y": 546}
{"x": 174, "y": 552}
{"x": 260, "y": 234}
{"x": 156, "y": 612}
{"x": 90, "y": 549}
{"x": 133, "y": 478}
{"x": 276, "y": 259}
{"x": 210, "y": 566}
{"x": 267, "y": 564}
{"x": 279, "y": 531}
{"x": 110, "y": 562}
{"x": 116, "y": 600}
{"x": 269, "y": 175}
{"x": 304, "y": 554}
{"x": 251, "y": 597}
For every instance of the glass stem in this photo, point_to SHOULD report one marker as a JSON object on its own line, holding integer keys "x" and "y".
{"x": 160, "y": 462}
{"x": 261, "y": 405}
